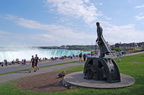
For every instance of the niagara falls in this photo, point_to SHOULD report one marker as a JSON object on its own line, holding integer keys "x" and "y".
{"x": 10, "y": 54}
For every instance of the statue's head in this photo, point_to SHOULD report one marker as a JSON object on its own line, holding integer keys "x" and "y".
{"x": 97, "y": 23}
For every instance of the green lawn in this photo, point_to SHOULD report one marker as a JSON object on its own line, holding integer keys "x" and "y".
{"x": 130, "y": 65}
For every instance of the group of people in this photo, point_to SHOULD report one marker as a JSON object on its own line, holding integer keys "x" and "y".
{"x": 82, "y": 56}
{"x": 34, "y": 61}
{"x": 6, "y": 63}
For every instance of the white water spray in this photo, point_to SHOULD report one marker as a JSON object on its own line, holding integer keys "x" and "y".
{"x": 25, "y": 53}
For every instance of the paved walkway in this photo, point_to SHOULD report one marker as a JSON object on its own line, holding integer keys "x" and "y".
{"x": 17, "y": 67}
{"x": 13, "y": 76}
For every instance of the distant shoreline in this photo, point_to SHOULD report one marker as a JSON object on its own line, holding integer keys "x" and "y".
{"x": 68, "y": 47}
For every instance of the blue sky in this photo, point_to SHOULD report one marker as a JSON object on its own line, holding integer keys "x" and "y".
{"x": 69, "y": 22}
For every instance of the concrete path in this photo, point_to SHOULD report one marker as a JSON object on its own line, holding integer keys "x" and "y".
{"x": 17, "y": 67}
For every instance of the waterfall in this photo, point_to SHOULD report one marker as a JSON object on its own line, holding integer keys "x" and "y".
{"x": 26, "y": 53}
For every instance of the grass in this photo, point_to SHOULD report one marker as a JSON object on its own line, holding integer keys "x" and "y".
{"x": 130, "y": 65}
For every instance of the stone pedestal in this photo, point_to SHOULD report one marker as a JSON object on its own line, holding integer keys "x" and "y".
{"x": 75, "y": 79}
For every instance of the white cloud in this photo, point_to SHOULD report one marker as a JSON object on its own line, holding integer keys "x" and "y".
{"x": 124, "y": 34}
{"x": 76, "y": 8}
{"x": 140, "y": 16}
{"x": 4, "y": 32}
{"x": 54, "y": 34}
{"x": 58, "y": 34}
{"x": 140, "y": 6}
{"x": 9, "y": 39}
{"x": 100, "y": 3}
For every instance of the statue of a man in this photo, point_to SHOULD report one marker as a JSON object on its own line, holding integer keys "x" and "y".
{"x": 104, "y": 48}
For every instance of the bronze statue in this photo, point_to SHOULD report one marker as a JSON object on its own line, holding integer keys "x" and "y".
{"x": 104, "y": 49}
{"x": 101, "y": 68}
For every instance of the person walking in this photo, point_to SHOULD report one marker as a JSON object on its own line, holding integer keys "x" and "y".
{"x": 33, "y": 64}
{"x": 5, "y": 62}
{"x": 36, "y": 62}
{"x": 119, "y": 56}
{"x": 80, "y": 57}
{"x": 84, "y": 57}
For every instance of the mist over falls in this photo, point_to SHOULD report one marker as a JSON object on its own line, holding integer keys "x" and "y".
{"x": 10, "y": 54}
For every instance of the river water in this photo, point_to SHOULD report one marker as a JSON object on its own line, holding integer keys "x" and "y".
{"x": 25, "y": 53}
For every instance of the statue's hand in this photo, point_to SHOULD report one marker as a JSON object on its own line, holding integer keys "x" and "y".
{"x": 99, "y": 42}
{"x": 96, "y": 40}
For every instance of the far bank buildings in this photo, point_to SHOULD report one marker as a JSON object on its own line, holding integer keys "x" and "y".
{"x": 129, "y": 46}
